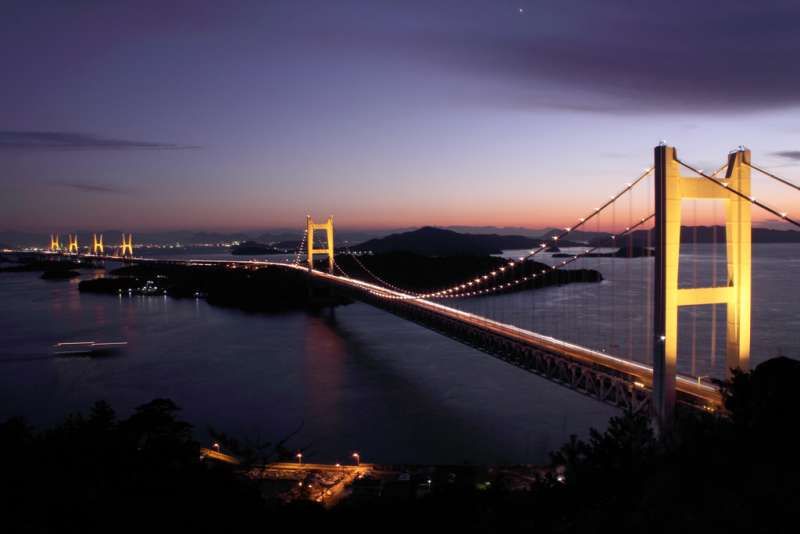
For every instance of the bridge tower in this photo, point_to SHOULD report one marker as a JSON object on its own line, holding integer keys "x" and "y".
{"x": 55, "y": 243}
{"x": 126, "y": 248}
{"x": 327, "y": 226}
{"x": 670, "y": 189}
{"x": 73, "y": 243}
{"x": 97, "y": 245}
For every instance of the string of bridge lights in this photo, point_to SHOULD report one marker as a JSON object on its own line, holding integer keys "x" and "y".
{"x": 467, "y": 289}
{"x": 518, "y": 281}
{"x": 450, "y": 292}
{"x": 753, "y": 200}
{"x": 575, "y": 257}
{"x": 344, "y": 273}
{"x": 300, "y": 248}
{"x": 466, "y": 286}
{"x": 375, "y": 276}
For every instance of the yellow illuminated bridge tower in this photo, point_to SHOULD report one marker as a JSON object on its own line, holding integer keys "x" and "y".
{"x": 327, "y": 226}
{"x": 670, "y": 189}
{"x": 55, "y": 243}
{"x": 97, "y": 245}
{"x": 73, "y": 243}
{"x": 126, "y": 248}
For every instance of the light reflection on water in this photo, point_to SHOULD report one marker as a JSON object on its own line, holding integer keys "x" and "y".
{"x": 356, "y": 378}
{"x": 616, "y": 315}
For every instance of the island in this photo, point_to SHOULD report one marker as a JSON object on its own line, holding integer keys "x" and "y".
{"x": 253, "y": 248}
{"x": 432, "y": 241}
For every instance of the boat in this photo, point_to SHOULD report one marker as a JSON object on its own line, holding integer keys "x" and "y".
{"x": 87, "y": 348}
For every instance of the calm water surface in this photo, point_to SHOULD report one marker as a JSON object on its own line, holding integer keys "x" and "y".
{"x": 355, "y": 379}
{"x": 358, "y": 378}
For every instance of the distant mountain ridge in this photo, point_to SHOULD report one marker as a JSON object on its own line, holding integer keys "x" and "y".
{"x": 711, "y": 234}
{"x": 283, "y": 238}
{"x": 497, "y": 230}
{"x": 184, "y": 237}
{"x": 431, "y": 241}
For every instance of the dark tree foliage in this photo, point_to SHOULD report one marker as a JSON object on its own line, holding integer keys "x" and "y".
{"x": 738, "y": 473}
{"x": 96, "y": 473}
{"x": 258, "y": 290}
{"x": 712, "y": 474}
{"x": 273, "y": 289}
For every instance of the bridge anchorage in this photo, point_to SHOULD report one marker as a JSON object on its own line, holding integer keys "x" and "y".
{"x": 670, "y": 189}
{"x": 97, "y": 245}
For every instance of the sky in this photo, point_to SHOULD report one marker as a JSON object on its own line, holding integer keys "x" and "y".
{"x": 246, "y": 115}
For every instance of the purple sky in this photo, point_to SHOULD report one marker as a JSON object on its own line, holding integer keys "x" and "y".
{"x": 251, "y": 114}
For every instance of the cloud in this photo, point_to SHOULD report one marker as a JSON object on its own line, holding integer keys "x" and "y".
{"x": 51, "y": 140}
{"x": 618, "y": 56}
{"x": 788, "y": 154}
{"x": 90, "y": 188}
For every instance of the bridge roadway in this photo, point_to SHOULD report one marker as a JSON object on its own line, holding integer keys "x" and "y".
{"x": 617, "y": 381}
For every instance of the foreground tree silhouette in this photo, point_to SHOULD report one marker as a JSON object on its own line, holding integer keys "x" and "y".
{"x": 738, "y": 473}
{"x": 99, "y": 474}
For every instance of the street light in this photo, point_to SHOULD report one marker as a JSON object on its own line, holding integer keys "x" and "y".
{"x": 357, "y": 458}
{"x": 215, "y": 446}
{"x": 299, "y": 457}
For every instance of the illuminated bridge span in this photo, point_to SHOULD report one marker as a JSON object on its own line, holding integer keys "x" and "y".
{"x": 623, "y": 380}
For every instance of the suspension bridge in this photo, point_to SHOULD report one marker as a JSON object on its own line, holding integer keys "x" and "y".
{"x": 647, "y": 377}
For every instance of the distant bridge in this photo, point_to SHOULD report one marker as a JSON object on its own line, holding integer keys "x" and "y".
{"x": 615, "y": 380}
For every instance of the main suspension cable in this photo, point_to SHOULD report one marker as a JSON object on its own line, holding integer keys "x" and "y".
{"x": 300, "y": 248}
{"x": 774, "y": 177}
{"x": 783, "y": 215}
{"x": 463, "y": 286}
{"x": 610, "y": 240}
{"x": 543, "y": 246}
{"x": 375, "y": 276}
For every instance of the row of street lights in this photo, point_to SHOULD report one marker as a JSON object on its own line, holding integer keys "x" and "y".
{"x": 356, "y": 457}
{"x": 299, "y": 455}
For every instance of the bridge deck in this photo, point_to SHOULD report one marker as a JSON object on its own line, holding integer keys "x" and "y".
{"x": 615, "y": 380}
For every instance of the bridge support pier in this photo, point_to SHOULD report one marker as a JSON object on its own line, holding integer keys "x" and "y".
{"x": 327, "y": 226}
{"x": 670, "y": 190}
{"x": 97, "y": 245}
{"x": 126, "y": 248}
{"x": 73, "y": 243}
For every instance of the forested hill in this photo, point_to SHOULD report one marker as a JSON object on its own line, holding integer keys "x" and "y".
{"x": 711, "y": 234}
{"x": 430, "y": 241}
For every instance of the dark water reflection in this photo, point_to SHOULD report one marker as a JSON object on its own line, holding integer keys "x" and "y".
{"x": 354, "y": 379}
{"x": 615, "y": 316}
{"x": 358, "y": 378}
